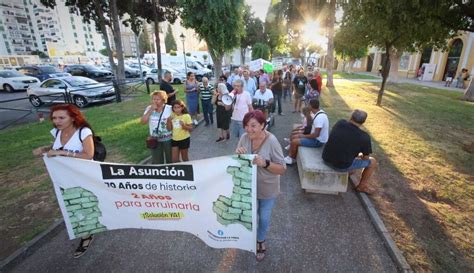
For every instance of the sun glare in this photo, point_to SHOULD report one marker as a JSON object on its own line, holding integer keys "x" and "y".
{"x": 312, "y": 34}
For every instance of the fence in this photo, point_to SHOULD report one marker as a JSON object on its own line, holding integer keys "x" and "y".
{"x": 36, "y": 106}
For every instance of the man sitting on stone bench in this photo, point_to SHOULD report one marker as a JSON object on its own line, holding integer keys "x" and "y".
{"x": 346, "y": 142}
{"x": 318, "y": 136}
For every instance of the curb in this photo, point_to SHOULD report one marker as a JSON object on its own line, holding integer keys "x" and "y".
{"x": 35, "y": 243}
{"x": 30, "y": 247}
{"x": 389, "y": 243}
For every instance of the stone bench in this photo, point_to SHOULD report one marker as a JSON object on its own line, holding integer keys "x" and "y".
{"x": 317, "y": 177}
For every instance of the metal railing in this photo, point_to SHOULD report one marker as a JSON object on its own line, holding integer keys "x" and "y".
{"x": 22, "y": 110}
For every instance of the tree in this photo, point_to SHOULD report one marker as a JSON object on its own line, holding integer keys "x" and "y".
{"x": 396, "y": 26}
{"x": 275, "y": 30}
{"x": 41, "y": 54}
{"x": 220, "y": 24}
{"x": 170, "y": 42}
{"x": 104, "y": 52}
{"x": 155, "y": 11}
{"x": 350, "y": 48}
{"x": 144, "y": 41}
{"x": 105, "y": 13}
{"x": 253, "y": 28}
{"x": 173, "y": 53}
{"x": 260, "y": 50}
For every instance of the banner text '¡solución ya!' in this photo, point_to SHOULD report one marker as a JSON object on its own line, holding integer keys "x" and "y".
{"x": 168, "y": 172}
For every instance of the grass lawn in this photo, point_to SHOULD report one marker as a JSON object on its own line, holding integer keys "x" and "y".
{"x": 27, "y": 202}
{"x": 345, "y": 75}
{"x": 424, "y": 182}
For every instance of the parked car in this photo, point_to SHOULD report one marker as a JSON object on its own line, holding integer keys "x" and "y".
{"x": 81, "y": 89}
{"x": 42, "y": 72}
{"x": 89, "y": 71}
{"x": 152, "y": 76}
{"x": 131, "y": 72}
{"x": 12, "y": 80}
{"x": 145, "y": 68}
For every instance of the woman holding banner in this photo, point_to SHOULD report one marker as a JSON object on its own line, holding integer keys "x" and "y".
{"x": 270, "y": 166}
{"x": 73, "y": 137}
{"x": 156, "y": 116}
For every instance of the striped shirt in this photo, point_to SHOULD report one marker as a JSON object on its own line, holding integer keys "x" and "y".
{"x": 206, "y": 92}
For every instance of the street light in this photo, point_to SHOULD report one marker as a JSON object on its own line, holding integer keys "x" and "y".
{"x": 182, "y": 37}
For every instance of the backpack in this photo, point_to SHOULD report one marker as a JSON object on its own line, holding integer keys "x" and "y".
{"x": 309, "y": 126}
{"x": 99, "y": 148}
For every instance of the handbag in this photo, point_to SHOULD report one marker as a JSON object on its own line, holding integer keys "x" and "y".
{"x": 151, "y": 141}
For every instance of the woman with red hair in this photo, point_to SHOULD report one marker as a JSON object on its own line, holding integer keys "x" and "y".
{"x": 270, "y": 165}
{"x": 73, "y": 137}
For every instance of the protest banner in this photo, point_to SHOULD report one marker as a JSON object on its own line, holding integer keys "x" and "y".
{"x": 213, "y": 199}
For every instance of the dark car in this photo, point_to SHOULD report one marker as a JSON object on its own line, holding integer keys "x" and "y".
{"x": 89, "y": 71}
{"x": 42, "y": 72}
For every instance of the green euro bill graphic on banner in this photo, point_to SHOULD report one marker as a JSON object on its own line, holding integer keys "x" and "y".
{"x": 213, "y": 199}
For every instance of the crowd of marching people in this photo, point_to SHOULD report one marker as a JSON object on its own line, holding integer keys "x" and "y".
{"x": 242, "y": 102}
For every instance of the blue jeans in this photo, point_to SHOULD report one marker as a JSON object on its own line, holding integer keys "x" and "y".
{"x": 277, "y": 101}
{"x": 207, "y": 110}
{"x": 310, "y": 142}
{"x": 264, "y": 213}
{"x": 237, "y": 128}
{"x": 356, "y": 164}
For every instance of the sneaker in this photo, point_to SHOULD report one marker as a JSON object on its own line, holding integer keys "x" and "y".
{"x": 195, "y": 122}
{"x": 289, "y": 160}
{"x": 287, "y": 147}
{"x": 220, "y": 139}
{"x": 281, "y": 114}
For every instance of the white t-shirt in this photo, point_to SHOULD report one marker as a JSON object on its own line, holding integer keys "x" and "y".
{"x": 163, "y": 133}
{"x": 74, "y": 144}
{"x": 266, "y": 96}
{"x": 241, "y": 105}
{"x": 321, "y": 121}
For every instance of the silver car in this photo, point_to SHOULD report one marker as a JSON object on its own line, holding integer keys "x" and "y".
{"x": 80, "y": 90}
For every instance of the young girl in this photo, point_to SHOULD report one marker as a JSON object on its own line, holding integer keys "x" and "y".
{"x": 181, "y": 124}
{"x": 304, "y": 128}
{"x": 312, "y": 93}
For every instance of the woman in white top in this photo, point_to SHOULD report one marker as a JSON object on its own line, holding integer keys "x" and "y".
{"x": 72, "y": 138}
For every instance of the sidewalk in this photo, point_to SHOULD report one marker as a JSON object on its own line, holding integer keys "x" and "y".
{"x": 431, "y": 84}
{"x": 308, "y": 233}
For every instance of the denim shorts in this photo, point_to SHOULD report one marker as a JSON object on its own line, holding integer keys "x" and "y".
{"x": 356, "y": 164}
{"x": 310, "y": 142}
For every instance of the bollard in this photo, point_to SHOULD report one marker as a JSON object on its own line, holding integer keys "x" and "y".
{"x": 147, "y": 87}
{"x": 40, "y": 116}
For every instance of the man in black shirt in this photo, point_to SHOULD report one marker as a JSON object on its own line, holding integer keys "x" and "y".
{"x": 299, "y": 85}
{"x": 166, "y": 86}
{"x": 348, "y": 148}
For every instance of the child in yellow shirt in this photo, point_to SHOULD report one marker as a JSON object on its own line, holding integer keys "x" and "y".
{"x": 181, "y": 125}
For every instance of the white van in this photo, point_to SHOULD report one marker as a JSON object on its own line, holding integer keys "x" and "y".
{"x": 177, "y": 62}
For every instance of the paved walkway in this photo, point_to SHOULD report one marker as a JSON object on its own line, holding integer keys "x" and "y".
{"x": 433, "y": 84}
{"x": 308, "y": 233}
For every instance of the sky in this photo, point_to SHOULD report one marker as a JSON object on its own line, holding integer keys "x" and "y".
{"x": 259, "y": 7}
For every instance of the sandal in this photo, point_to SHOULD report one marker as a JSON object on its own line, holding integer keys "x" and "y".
{"x": 261, "y": 250}
{"x": 83, "y": 246}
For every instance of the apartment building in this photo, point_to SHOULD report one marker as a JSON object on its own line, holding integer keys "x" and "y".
{"x": 26, "y": 26}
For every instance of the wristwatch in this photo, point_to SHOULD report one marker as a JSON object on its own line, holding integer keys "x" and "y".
{"x": 267, "y": 163}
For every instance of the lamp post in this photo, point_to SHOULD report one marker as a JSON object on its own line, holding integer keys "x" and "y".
{"x": 182, "y": 37}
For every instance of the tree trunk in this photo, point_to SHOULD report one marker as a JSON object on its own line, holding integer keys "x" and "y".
{"x": 469, "y": 94}
{"x": 157, "y": 40}
{"x": 330, "y": 51}
{"x": 115, "y": 21}
{"x": 217, "y": 60}
{"x": 103, "y": 29}
{"x": 394, "y": 63}
{"x": 242, "y": 55}
{"x": 385, "y": 73}
{"x": 351, "y": 65}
